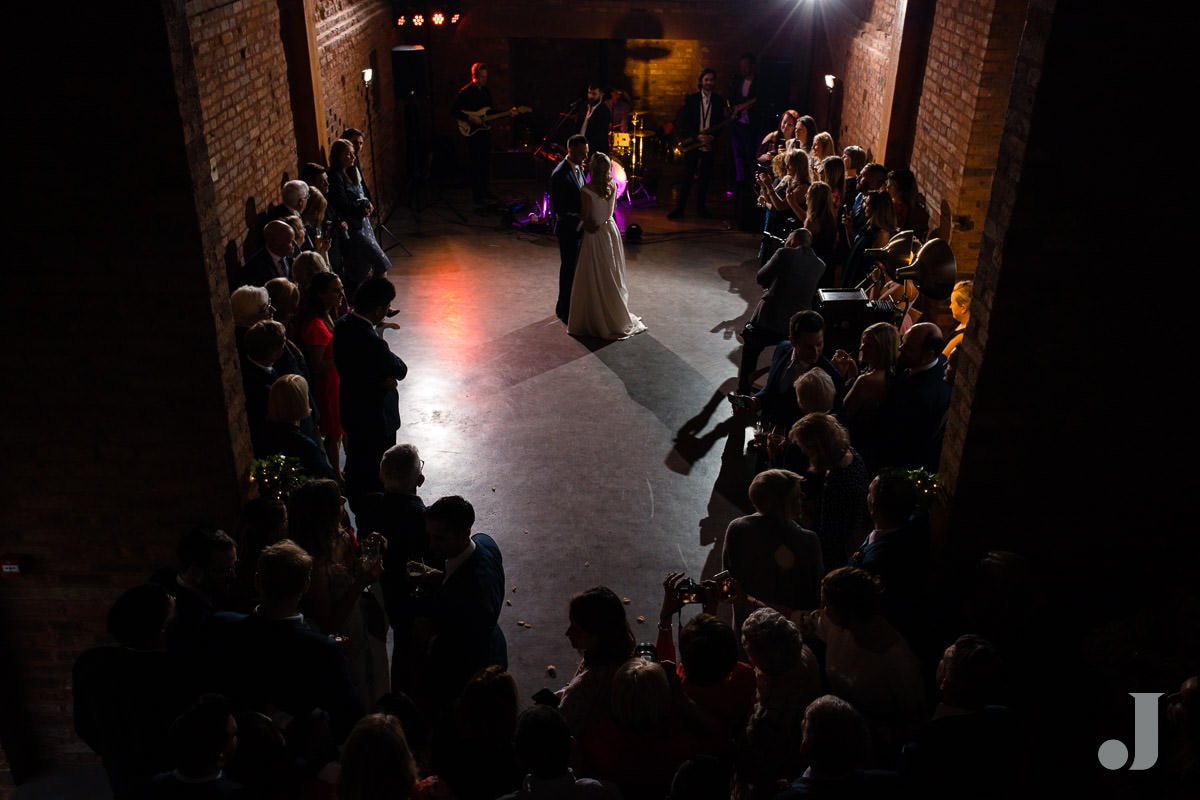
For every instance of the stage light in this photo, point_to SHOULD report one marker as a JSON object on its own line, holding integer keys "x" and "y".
{"x": 437, "y": 14}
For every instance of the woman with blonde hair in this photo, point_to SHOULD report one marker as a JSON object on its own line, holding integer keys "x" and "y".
{"x": 821, "y": 148}
{"x": 798, "y": 180}
{"x": 306, "y": 265}
{"x": 841, "y": 516}
{"x": 870, "y": 378}
{"x": 599, "y": 297}
{"x": 287, "y": 409}
{"x": 313, "y": 217}
{"x": 960, "y": 309}
{"x": 821, "y": 222}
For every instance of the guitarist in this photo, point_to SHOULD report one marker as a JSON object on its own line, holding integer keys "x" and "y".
{"x": 702, "y": 114}
{"x": 471, "y": 98}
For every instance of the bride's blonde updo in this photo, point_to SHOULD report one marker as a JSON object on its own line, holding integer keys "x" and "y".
{"x": 600, "y": 170}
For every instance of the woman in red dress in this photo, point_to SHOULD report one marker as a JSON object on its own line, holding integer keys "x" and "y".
{"x": 324, "y": 298}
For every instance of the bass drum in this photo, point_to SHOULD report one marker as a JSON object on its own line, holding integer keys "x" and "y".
{"x": 619, "y": 145}
{"x": 620, "y": 179}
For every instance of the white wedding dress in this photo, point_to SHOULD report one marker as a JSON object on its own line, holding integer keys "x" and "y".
{"x": 599, "y": 299}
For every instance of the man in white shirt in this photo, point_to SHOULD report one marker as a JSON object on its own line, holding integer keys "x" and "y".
{"x": 702, "y": 112}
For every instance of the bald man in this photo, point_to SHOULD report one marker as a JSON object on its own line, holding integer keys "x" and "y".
{"x": 274, "y": 259}
{"x": 919, "y": 397}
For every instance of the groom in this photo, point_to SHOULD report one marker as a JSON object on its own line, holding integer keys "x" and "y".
{"x": 565, "y": 184}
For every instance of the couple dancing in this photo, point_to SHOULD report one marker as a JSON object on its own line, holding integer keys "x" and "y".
{"x": 592, "y": 298}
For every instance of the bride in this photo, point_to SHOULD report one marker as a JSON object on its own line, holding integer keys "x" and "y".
{"x": 599, "y": 299}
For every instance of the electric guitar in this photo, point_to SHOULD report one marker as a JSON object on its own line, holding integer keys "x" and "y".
{"x": 694, "y": 142}
{"x": 467, "y": 129}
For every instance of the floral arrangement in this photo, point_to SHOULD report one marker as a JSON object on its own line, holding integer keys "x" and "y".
{"x": 926, "y": 483}
{"x": 276, "y": 476}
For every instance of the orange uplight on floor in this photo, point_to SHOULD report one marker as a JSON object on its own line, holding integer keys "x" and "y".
{"x": 418, "y": 20}
{"x": 438, "y": 18}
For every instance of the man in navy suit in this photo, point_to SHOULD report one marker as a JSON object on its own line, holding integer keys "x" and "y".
{"x": 804, "y": 349}
{"x": 566, "y": 182}
{"x": 897, "y": 551}
{"x": 271, "y": 661}
{"x": 465, "y": 633}
{"x": 274, "y": 258}
{"x": 369, "y": 373}
{"x": 913, "y": 409}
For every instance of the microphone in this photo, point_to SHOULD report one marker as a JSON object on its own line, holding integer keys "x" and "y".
{"x": 577, "y": 102}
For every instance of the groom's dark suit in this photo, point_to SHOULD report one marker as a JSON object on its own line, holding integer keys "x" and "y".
{"x": 565, "y": 184}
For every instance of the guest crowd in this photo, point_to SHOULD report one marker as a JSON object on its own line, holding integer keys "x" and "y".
{"x": 820, "y": 663}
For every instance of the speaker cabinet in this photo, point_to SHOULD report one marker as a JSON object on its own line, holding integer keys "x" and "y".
{"x": 410, "y": 71}
{"x": 845, "y": 315}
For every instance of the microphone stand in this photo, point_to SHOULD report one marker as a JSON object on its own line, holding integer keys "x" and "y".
{"x": 563, "y": 117}
{"x": 379, "y": 226}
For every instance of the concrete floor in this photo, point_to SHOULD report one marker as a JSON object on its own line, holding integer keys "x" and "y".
{"x": 589, "y": 462}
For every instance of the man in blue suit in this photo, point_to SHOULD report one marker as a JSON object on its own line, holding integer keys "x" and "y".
{"x": 914, "y": 407}
{"x": 271, "y": 661}
{"x": 566, "y": 182}
{"x": 804, "y": 349}
{"x": 464, "y": 626}
{"x": 369, "y": 373}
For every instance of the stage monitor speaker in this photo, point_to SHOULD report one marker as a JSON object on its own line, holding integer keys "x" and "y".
{"x": 845, "y": 315}
{"x": 410, "y": 71}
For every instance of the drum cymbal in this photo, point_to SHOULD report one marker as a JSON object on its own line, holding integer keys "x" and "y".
{"x": 644, "y": 134}
{"x": 635, "y": 113}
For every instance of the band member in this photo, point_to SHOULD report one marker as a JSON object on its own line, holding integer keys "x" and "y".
{"x": 471, "y": 105}
{"x": 698, "y": 122}
{"x": 596, "y": 119}
{"x": 622, "y": 110}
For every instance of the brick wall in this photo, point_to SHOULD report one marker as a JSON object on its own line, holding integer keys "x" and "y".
{"x": 129, "y": 426}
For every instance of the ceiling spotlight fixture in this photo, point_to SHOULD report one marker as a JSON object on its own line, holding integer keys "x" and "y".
{"x": 437, "y": 13}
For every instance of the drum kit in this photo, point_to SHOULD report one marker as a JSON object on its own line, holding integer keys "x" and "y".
{"x": 626, "y": 150}
{"x": 629, "y": 147}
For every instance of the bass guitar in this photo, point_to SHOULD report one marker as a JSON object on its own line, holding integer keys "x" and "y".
{"x": 693, "y": 142}
{"x": 468, "y": 129}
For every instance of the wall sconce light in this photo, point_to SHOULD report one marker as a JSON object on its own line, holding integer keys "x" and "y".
{"x": 829, "y": 81}
{"x": 368, "y": 75}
